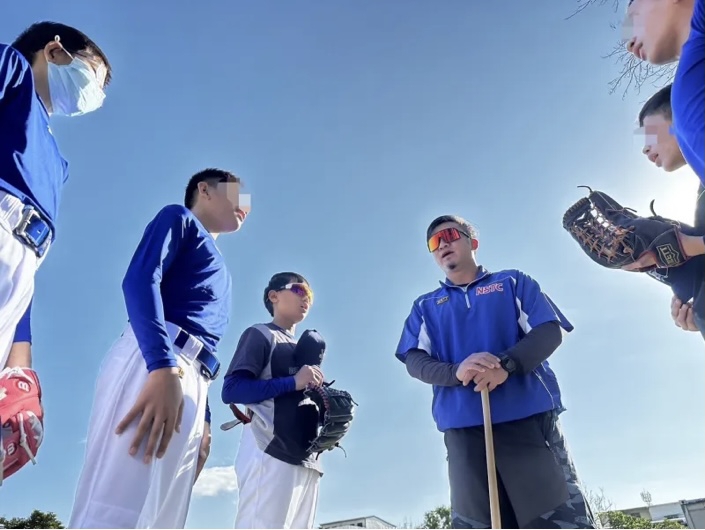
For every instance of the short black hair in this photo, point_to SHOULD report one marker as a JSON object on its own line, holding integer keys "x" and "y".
{"x": 38, "y": 35}
{"x": 659, "y": 103}
{"x": 465, "y": 225}
{"x": 277, "y": 282}
{"x": 210, "y": 175}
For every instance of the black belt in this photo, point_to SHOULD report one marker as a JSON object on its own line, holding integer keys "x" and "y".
{"x": 210, "y": 365}
{"x": 33, "y": 230}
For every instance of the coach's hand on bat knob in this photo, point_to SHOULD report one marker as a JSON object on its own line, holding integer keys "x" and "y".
{"x": 308, "y": 375}
{"x": 161, "y": 406}
{"x": 475, "y": 364}
{"x": 490, "y": 379}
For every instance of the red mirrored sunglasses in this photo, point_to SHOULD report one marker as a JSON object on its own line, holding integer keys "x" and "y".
{"x": 448, "y": 235}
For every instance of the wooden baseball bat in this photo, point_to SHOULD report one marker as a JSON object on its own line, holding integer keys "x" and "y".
{"x": 491, "y": 469}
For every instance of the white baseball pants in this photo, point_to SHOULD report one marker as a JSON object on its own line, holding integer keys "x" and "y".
{"x": 18, "y": 265}
{"x": 116, "y": 490}
{"x": 272, "y": 493}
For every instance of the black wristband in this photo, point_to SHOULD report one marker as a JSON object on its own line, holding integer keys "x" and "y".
{"x": 509, "y": 364}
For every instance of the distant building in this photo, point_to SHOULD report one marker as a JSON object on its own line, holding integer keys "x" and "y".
{"x": 658, "y": 512}
{"x": 371, "y": 521}
{"x": 694, "y": 511}
{"x": 689, "y": 512}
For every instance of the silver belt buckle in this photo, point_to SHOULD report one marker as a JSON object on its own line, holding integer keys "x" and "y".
{"x": 29, "y": 213}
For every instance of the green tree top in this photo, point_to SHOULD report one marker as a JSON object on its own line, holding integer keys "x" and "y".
{"x": 37, "y": 519}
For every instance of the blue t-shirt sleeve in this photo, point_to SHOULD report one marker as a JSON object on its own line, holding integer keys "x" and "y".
{"x": 23, "y": 331}
{"x": 414, "y": 335}
{"x": 535, "y": 307}
{"x": 251, "y": 354}
{"x": 156, "y": 251}
{"x": 14, "y": 71}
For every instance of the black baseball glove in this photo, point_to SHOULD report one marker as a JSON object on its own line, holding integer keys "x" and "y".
{"x": 336, "y": 409}
{"x": 614, "y": 236}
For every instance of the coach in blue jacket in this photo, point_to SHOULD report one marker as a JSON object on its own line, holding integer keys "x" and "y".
{"x": 496, "y": 330}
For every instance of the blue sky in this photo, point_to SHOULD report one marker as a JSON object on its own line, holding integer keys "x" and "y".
{"x": 353, "y": 125}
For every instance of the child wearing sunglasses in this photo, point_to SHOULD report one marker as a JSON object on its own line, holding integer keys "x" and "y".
{"x": 277, "y": 477}
{"x": 496, "y": 330}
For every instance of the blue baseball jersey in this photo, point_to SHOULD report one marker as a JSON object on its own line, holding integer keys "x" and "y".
{"x": 490, "y": 315}
{"x": 31, "y": 166}
{"x": 177, "y": 275}
{"x": 688, "y": 94}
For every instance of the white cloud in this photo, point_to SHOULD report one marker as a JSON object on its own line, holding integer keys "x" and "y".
{"x": 215, "y": 480}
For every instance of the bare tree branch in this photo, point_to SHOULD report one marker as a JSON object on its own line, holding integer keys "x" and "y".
{"x": 634, "y": 73}
{"x": 637, "y": 74}
{"x": 584, "y": 4}
{"x": 599, "y": 504}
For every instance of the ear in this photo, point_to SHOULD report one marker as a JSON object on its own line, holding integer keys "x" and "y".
{"x": 474, "y": 243}
{"x": 54, "y": 53}
{"x": 203, "y": 189}
{"x": 272, "y": 295}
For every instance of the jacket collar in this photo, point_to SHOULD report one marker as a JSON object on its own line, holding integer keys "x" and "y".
{"x": 482, "y": 273}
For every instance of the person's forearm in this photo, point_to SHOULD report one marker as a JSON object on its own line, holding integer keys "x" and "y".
{"x": 537, "y": 346}
{"x": 693, "y": 245}
{"x": 247, "y": 390}
{"x": 20, "y": 355}
{"x": 21, "y": 351}
{"x": 425, "y": 368}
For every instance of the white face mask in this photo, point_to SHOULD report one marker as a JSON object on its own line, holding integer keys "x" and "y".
{"x": 74, "y": 88}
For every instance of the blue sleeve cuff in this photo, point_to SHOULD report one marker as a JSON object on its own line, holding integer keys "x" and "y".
{"x": 23, "y": 331}
{"x": 162, "y": 362}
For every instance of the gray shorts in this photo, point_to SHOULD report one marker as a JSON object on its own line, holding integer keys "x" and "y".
{"x": 538, "y": 485}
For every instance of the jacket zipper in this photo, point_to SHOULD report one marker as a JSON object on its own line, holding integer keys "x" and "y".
{"x": 465, "y": 289}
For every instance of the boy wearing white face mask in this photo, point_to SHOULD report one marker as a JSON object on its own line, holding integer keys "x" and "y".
{"x": 50, "y": 69}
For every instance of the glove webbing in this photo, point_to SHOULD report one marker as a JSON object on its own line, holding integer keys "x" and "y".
{"x": 602, "y": 235}
{"x": 23, "y": 443}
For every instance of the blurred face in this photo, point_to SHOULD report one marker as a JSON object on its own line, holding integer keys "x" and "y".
{"x": 653, "y": 29}
{"x": 660, "y": 146}
{"x": 292, "y": 302}
{"x": 451, "y": 246}
{"x": 221, "y": 204}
